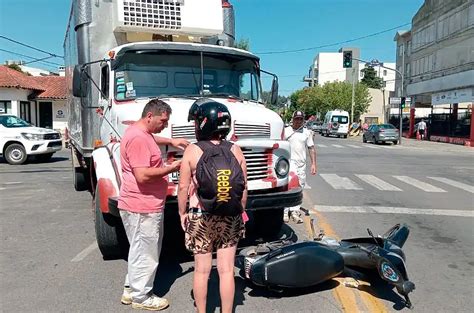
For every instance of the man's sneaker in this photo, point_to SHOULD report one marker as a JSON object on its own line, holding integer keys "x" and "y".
{"x": 296, "y": 218}
{"x": 126, "y": 296}
{"x": 153, "y": 303}
{"x": 286, "y": 218}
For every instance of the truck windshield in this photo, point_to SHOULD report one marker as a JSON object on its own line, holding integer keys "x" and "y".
{"x": 176, "y": 73}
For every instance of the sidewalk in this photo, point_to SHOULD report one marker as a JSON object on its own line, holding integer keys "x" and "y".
{"x": 427, "y": 145}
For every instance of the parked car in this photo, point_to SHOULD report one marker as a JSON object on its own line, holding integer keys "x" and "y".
{"x": 314, "y": 126}
{"x": 19, "y": 139}
{"x": 381, "y": 133}
{"x": 336, "y": 123}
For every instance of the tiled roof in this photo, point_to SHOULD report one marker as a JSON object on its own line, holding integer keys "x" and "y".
{"x": 10, "y": 78}
{"x": 55, "y": 87}
{"x": 46, "y": 87}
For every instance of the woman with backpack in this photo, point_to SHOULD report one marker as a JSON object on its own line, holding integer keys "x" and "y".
{"x": 213, "y": 175}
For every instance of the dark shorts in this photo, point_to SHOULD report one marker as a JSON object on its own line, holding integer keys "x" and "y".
{"x": 422, "y": 131}
{"x": 206, "y": 233}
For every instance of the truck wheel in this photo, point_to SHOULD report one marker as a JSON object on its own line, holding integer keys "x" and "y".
{"x": 15, "y": 154}
{"x": 110, "y": 234}
{"x": 44, "y": 157}
{"x": 268, "y": 222}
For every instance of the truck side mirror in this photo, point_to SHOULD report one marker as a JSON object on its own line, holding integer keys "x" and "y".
{"x": 274, "y": 95}
{"x": 78, "y": 82}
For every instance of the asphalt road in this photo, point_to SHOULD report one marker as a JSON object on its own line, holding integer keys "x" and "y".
{"x": 49, "y": 261}
{"x": 430, "y": 187}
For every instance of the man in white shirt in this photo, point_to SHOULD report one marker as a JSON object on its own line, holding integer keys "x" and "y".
{"x": 300, "y": 139}
{"x": 422, "y": 129}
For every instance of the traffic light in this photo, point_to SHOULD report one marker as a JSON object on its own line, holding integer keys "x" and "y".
{"x": 347, "y": 59}
{"x": 403, "y": 102}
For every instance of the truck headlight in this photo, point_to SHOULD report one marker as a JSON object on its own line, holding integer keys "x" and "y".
{"x": 32, "y": 136}
{"x": 282, "y": 167}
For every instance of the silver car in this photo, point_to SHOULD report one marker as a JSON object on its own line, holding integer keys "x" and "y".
{"x": 381, "y": 133}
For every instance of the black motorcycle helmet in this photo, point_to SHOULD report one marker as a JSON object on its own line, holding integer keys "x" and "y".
{"x": 212, "y": 119}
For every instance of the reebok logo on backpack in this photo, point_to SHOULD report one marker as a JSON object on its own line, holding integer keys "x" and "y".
{"x": 220, "y": 179}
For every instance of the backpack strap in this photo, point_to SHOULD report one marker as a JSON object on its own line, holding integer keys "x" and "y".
{"x": 205, "y": 144}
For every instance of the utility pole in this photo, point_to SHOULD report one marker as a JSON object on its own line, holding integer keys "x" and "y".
{"x": 401, "y": 90}
{"x": 353, "y": 94}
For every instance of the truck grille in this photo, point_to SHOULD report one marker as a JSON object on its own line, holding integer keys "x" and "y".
{"x": 252, "y": 130}
{"x": 162, "y": 14}
{"x": 183, "y": 131}
{"x": 258, "y": 163}
{"x": 51, "y": 136}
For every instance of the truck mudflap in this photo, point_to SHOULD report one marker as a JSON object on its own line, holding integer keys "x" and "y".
{"x": 292, "y": 197}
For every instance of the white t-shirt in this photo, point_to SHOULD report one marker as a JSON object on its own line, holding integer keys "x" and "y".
{"x": 422, "y": 125}
{"x": 299, "y": 141}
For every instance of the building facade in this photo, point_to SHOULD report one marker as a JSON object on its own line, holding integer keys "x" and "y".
{"x": 437, "y": 59}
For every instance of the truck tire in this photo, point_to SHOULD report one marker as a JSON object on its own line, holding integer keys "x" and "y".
{"x": 268, "y": 222}
{"x": 110, "y": 234}
{"x": 15, "y": 154}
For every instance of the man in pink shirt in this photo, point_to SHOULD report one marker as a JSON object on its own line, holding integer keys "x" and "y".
{"x": 142, "y": 200}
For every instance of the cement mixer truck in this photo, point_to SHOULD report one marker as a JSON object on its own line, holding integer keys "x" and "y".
{"x": 120, "y": 54}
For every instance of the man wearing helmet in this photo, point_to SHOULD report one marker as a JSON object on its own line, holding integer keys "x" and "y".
{"x": 300, "y": 139}
{"x": 206, "y": 230}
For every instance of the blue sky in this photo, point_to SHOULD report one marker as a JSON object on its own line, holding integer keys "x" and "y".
{"x": 269, "y": 25}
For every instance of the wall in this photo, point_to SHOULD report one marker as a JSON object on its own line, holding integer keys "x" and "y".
{"x": 330, "y": 68}
{"x": 60, "y": 120}
{"x": 376, "y": 107}
{"x": 15, "y": 96}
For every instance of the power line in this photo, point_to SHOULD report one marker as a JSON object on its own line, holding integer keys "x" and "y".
{"x": 334, "y": 44}
{"x": 30, "y": 57}
{"x": 31, "y": 47}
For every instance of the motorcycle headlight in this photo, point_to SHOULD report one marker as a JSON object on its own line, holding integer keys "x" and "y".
{"x": 32, "y": 136}
{"x": 282, "y": 167}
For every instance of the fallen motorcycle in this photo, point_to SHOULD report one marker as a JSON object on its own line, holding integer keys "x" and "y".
{"x": 285, "y": 264}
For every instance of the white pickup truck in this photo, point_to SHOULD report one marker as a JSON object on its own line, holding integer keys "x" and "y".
{"x": 19, "y": 139}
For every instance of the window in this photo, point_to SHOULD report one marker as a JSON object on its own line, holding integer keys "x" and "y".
{"x": 25, "y": 111}
{"x": 5, "y": 106}
{"x": 400, "y": 50}
{"x": 384, "y": 72}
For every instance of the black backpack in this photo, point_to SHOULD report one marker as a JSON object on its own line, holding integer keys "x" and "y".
{"x": 220, "y": 179}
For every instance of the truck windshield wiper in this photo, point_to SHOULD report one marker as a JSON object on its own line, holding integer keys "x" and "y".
{"x": 224, "y": 95}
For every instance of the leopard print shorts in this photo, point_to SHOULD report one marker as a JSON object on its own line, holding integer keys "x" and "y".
{"x": 206, "y": 233}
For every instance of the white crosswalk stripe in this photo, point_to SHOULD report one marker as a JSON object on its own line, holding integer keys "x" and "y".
{"x": 321, "y": 145}
{"x": 377, "y": 183}
{"x": 372, "y": 147}
{"x": 338, "y": 146}
{"x": 419, "y": 184}
{"x": 354, "y": 146}
{"x": 338, "y": 182}
{"x": 454, "y": 183}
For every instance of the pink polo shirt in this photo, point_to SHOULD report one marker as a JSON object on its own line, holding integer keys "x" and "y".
{"x": 139, "y": 149}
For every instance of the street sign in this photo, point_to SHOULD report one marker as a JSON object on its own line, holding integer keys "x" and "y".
{"x": 395, "y": 100}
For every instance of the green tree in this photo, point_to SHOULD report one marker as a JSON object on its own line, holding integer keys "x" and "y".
{"x": 335, "y": 95}
{"x": 243, "y": 44}
{"x": 371, "y": 79}
{"x": 15, "y": 67}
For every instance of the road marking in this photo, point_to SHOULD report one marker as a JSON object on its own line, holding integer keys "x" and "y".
{"x": 454, "y": 183}
{"x": 337, "y": 146}
{"x": 338, "y": 182}
{"x": 84, "y": 253}
{"x": 419, "y": 184}
{"x": 13, "y": 183}
{"x": 377, "y": 183}
{"x": 372, "y": 147}
{"x": 321, "y": 145}
{"x": 1, "y": 188}
{"x": 354, "y": 146}
{"x": 391, "y": 210}
{"x": 347, "y": 296}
